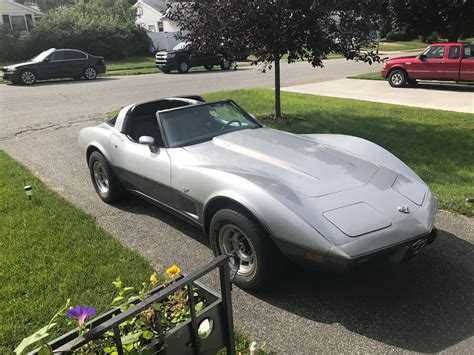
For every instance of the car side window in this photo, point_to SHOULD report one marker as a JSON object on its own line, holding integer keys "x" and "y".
{"x": 469, "y": 52}
{"x": 58, "y": 55}
{"x": 72, "y": 55}
{"x": 435, "y": 52}
{"x": 454, "y": 52}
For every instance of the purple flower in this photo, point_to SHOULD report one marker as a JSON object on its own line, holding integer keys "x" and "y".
{"x": 80, "y": 313}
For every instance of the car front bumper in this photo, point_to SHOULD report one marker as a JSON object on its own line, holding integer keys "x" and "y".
{"x": 384, "y": 73}
{"x": 10, "y": 76}
{"x": 393, "y": 254}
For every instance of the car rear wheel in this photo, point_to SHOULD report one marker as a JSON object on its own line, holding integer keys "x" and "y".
{"x": 397, "y": 78}
{"x": 183, "y": 66}
{"x": 233, "y": 232}
{"x": 209, "y": 67}
{"x": 90, "y": 73}
{"x": 225, "y": 63}
{"x": 27, "y": 77}
{"x": 105, "y": 182}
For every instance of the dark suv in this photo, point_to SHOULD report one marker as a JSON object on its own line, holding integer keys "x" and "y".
{"x": 182, "y": 58}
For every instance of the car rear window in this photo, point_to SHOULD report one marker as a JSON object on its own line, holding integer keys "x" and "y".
{"x": 469, "y": 51}
{"x": 74, "y": 55}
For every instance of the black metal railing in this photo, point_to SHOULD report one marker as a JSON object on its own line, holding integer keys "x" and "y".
{"x": 111, "y": 320}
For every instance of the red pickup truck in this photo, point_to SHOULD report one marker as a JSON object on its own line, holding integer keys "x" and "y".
{"x": 440, "y": 62}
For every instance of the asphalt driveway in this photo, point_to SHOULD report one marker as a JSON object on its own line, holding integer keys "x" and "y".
{"x": 427, "y": 95}
{"x": 424, "y": 306}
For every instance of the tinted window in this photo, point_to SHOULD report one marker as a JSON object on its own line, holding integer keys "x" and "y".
{"x": 435, "y": 52}
{"x": 454, "y": 52}
{"x": 58, "y": 55}
{"x": 74, "y": 55}
{"x": 469, "y": 51}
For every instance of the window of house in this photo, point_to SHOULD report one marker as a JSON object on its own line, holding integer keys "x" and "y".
{"x": 18, "y": 23}
{"x": 161, "y": 27}
{"x": 454, "y": 52}
{"x": 151, "y": 28}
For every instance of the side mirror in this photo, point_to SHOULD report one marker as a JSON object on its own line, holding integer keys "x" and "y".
{"x": 421, "y": 56}
{"x": 149, "y": 141}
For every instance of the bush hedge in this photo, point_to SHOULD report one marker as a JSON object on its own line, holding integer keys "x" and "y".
{"x": 100, "y": 27}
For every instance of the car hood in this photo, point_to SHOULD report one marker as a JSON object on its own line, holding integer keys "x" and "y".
{"x": 301, "y": 164}
{"x": 18, "y": 65}
{"x": 172, "y": 51}
{"x": 401, "y": 59}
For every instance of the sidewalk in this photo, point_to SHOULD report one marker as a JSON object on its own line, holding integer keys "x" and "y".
{"x": 426, "y": 95}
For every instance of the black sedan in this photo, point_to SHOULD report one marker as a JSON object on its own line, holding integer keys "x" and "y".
{"x": 55, "y": 63}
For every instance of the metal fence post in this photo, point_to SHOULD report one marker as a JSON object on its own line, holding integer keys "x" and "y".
{"x": 226, "y": 288}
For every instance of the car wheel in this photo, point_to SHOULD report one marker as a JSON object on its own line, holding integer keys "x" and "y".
{"x": 230, "y": 232}
{"x": 27, "y": 77}
{"x": 397, "y": 78}
{"x": 225, "y": 63}
{"x": 183, "y": 66}
{"x": 90, "y": 73}
{"x": 105, "y": 182}
{"x": 209, "y": 67}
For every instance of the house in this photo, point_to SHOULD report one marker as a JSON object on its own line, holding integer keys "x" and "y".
{"x": 151, "y": 15}
{"x": 18, "y": 17}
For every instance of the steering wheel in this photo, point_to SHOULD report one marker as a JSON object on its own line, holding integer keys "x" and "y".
{"x": 229, "y": 123}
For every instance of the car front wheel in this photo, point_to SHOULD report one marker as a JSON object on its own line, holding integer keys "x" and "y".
{"x": 397, "y": 78}
{"x": 27, "y": 77}
{"x": 233, "y": 232}
{"x": 90, "y": 73}
{"x": 105, "y": 182}
{"x": 183, "y": 66}
{"x": 225, "y": 64}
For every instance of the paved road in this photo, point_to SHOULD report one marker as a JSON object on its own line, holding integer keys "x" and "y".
{"x": 428, "y": 95}
{"x": 425, "y": 306}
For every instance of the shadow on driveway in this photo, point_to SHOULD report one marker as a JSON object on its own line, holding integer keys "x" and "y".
{"x": 443, "y": 87}
{"x": 424, "y": 306}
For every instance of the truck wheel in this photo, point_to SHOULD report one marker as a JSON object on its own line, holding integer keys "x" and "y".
{"x": 183, "y": 66}
{"x": 233, "y": 232}
{"x": 225, "y": 63}
{"x": 397, "y": 78}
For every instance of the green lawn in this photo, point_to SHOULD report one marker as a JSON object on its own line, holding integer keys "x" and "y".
{"x": 369, "y": 76}
{"x": 412, "y": 45}
{"x": 438, "y": 145}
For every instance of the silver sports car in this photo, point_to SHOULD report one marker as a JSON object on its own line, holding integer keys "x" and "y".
{"x": 325, "y": 200}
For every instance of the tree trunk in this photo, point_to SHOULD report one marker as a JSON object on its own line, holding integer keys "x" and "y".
{"x": 277, "y": 87}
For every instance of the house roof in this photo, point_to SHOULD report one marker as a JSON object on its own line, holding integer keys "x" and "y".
{"x": 25, "y": 7}
{"x": 157, "y": 5}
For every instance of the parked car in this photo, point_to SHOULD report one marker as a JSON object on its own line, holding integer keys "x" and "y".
{"x": 323, "y": 200}
{"x": 440, "y": 61}
{"x": 182, "y": 58}
{"x": 55, "y": 63}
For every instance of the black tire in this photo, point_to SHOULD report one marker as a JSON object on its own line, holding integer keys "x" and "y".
{"x": 90, "y": 73}
{"x": 209, "y": 67}
{"x": 111, "y": 192}
{"x": 183, "y": 66}
{"x": 27, "y": 77}
{"x": 226, "y": 63}
{"x": 397, "y": 78}
{"x": 255, "y": 242}
{"x": 166, "y": 71}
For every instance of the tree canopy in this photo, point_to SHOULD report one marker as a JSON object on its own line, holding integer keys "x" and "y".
{"x": 302, "y": 29}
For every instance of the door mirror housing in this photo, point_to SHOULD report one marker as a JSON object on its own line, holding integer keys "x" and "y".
{"x": 421, "y": 56}
{"x": 149, "y": 141}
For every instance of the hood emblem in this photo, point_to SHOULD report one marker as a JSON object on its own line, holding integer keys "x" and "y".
{"x": 404, "y": 209}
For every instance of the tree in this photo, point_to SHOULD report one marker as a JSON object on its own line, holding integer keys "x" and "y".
{"x": 452, "y": 19}
{"x": 47, "y": 5}
{"x": 302, "y": 29}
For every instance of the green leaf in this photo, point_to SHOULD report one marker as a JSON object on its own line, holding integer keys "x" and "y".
{"x": 33, "y": 338}
{"x": 109, "y": 349}
{"x": 45, "y": 350}
{"x": 131, "y": 338}
{"x": 117, "y": 299}
{"x": 148, "y": 335}
{"x": 117, "y": 283}
{"x": 199, "y": 306}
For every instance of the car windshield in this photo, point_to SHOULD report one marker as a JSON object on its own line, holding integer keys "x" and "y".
{"x": 40, "y": 57}
{"x": 195, "y": 124}
{"x": 180, "y": 46}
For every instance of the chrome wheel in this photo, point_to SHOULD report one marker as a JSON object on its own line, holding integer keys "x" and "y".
{"x": 183, "y": 67}
{"x": 225, "y": 64}
{"x": 28, "y": 77}
{"x": 397, "y": 79}
{"x": 233, "y": 241}
{"x": 100, "y": 177}
{"x": 90, "y": 73}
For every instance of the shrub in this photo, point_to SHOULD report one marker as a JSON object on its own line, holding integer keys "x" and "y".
{"x": 9, "y": 48}
{"x": 104, "y": 28}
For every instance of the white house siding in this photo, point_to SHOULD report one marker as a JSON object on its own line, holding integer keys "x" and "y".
{"x": 10, "y": 9}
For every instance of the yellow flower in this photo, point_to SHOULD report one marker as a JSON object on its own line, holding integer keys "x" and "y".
{"x": 173, "y": 271}
{"x": 154, "y": 279}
